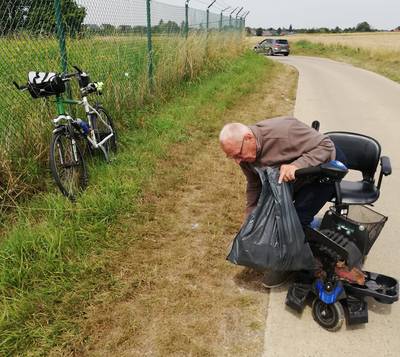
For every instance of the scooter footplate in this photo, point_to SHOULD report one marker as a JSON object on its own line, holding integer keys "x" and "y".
{"x": 382, "y": 288}
{"x": 357, "y": 310}
{"x": 297, "y": 295}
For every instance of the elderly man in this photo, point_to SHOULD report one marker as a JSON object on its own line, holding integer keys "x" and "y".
{"x": 289, "y": 144}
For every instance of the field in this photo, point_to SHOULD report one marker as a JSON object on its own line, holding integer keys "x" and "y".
{"x": 374, "y": 41}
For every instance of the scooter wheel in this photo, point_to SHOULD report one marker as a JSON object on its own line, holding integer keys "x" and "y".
{"x": 329, "y": 316}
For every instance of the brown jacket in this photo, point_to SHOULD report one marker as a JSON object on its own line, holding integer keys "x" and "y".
{"x": 280, "y": 141}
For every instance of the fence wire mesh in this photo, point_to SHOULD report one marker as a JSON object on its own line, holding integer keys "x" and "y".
{"x": 109, "y": 40}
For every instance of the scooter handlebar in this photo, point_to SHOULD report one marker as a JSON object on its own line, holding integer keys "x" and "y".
{"x": 308, "y": 171}
{"x": 334, "y": 170}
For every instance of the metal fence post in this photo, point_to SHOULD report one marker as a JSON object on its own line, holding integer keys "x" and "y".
{"x": 61, "y": 35}
{"x": 221, "y": 17}
{"x": 208, "y": 15}
{"x": 187, "y": 18}
{"x": 63, "y": 47}
{"x": 230, "y": 16}
{"x": 236, "y": 19}
{"x": 149, "y": 46}
{"x": 244, "y": 19}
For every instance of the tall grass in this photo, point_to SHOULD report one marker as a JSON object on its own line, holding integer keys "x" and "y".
{"x": 48, "y": 256}
{"x": 120, "y": 62}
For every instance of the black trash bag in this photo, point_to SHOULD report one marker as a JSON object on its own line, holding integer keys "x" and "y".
{"x": 272, "y": 236}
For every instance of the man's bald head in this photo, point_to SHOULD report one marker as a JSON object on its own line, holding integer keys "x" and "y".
{"x": 238, "y": 142}
{"x": 232, "y": 134}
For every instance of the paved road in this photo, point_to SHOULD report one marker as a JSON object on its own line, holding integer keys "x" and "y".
{"x": 343, "y": 97}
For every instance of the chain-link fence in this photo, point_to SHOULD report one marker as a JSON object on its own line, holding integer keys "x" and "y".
{"x": 135, "y": 47}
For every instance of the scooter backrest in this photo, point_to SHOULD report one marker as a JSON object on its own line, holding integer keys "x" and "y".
{"x": 362, "y": 152}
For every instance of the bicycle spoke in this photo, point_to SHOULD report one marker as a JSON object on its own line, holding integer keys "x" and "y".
{"x": 67, "y": 166}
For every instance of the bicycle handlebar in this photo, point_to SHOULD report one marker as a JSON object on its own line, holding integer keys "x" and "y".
{"x": 78, "y": 69}
{"x": 64, "y": 77}
{"x": 67, "y": 76}
{"x": 70, "y": 75}
{"x": 19, "y": 87}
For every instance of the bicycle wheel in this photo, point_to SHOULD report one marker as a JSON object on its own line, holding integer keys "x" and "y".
{"x": 67, "y": 164}
{"x": 103, "y": 127}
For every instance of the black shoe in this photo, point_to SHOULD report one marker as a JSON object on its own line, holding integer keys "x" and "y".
{"x": 274, "y": 279}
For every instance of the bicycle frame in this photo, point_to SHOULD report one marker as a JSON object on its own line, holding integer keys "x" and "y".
{"x": 89, "y": 110}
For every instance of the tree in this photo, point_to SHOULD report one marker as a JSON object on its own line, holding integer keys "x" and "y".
{"x": 108, "y": 29}
{"x": 290, "y": 28}
{"x": 91, "y": 28}
{"x": 12, "y": 14}
{"x": 279, "y": 31}
{"x": 125, "y": 28}
{"x": 72, "y": 15}
{"x": 259, "y": 31}
{"x": 363, "y": 27}
{"x": 140, "y": 29}
{"x": 38, "y": 17}
{"x": 166, "y": 27}
{"x": 337, "y": 29}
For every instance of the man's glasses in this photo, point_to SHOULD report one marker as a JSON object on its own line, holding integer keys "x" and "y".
{"x": 239, "y": 154}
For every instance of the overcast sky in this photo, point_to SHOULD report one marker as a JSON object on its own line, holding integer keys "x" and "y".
{"x": 380, "y": 14}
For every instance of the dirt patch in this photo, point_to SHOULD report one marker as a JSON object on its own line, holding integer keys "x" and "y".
{"x": 174, "y": 292}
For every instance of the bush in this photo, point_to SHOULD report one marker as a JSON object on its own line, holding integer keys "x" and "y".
{"x": 259, "y": 31}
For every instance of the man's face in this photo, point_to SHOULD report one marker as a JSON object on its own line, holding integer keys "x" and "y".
{"x": 244, "y": 150}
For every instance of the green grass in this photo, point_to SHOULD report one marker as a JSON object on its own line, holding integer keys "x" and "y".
{"x": 384, "y": 62}
{"x": 51, "y": 253}
{"x": 119, "y": 61}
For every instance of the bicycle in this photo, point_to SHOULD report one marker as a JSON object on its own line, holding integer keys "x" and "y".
{"x": 66, "y": 160}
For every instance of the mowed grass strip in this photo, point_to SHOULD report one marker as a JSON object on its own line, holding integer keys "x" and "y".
{"x": 378, "y": 59}
{"x": 51, "y": 261}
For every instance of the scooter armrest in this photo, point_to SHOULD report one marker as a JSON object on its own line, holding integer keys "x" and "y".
{"x": 386, "y": 168}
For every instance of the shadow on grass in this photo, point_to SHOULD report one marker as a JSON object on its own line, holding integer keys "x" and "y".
{"x": 250, "y": 279}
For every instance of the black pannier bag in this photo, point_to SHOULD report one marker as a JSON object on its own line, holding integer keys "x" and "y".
{"x": 45, "y": 84}
{"x": 272, "y": 236}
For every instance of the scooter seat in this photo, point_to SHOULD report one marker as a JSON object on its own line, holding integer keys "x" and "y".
{"x": 359, "y": 192}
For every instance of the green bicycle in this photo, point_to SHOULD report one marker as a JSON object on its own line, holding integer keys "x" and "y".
{"x": 67, "y": 163}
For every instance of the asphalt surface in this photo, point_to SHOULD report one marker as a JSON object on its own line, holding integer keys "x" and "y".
{"x": 345, "y": 98}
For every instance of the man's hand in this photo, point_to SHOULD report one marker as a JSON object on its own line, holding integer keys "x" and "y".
{"x": 287, "y": 173}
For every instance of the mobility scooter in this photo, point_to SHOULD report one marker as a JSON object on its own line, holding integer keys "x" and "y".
{"x": 344, "y": 237}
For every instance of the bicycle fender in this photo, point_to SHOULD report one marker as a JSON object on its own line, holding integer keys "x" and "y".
{"x": 59, "y": 129}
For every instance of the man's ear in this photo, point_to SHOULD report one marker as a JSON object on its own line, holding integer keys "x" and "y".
{"x": 248, "y": 136}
